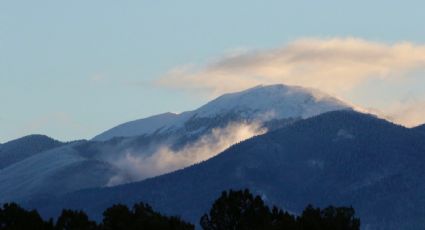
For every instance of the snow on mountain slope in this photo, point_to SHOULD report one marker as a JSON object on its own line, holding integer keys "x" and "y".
{"x": 273, "y": 101}
{"x": 261, "y": 103}
{"x": 163, "y": 143}
{"x": 53, "y": 172}
{"x": 138, "y": 127}
{"x": 169, "y": 142}
{"x": 19, "y": 149}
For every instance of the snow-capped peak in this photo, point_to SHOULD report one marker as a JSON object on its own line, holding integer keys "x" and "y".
{"x": 262, "y": 103}
{"x": 279, "y": 101}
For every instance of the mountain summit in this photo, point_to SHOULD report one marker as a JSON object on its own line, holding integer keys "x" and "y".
{"x": 260, "y": 103}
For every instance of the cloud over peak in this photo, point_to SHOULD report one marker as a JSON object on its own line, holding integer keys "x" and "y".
{"x": 338, "y": 66}
{"x": 333, "y": 64}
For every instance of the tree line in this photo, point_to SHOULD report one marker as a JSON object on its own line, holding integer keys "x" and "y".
{"x": 233, "y": 210}
{"x": 241, "y": 210}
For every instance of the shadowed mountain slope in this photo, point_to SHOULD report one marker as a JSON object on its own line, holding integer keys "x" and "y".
{"x": 339, "y": 158}
{"x": 420, "y": 128}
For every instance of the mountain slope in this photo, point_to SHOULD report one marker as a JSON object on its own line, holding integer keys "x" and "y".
{"x": 262, "y": 103}
{"x": 165, "y": 142}
{"x": 168, "y": 142}
{"x": 339, "y": 158}
{"x": 135, "y": 128}
{"x": 19, "y": 149}
{"x": 420, "y": 128}
{"x": 53, "y": 172}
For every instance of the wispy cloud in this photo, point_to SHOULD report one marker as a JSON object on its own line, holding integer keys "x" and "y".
{"x": 410, "y": 113}
{"x": 336, "y": 66}
{"x": 138, "y": 166}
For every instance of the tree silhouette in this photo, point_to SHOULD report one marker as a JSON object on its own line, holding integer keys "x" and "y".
{"x": 282, "y": 220}
{"x": 233, "y": 210}
{"x": 74, "y": 220}
{"x": 142, "y": 216}
{"x": 339, "y": 218}
{"x": 310, "y": 218}
{"x": 240, "y": 210}
{"x": 117, "y": 217}
{"x": 237, "y": 210}
{"x": 13, "y": 217}
{"x": 146, "y": 218}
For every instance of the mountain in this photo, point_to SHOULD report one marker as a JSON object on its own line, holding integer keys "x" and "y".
{"x": 338, "y": 158}
{"x": 53, "y": 172}
{"x": 259, "y": 103}
{"x": 135, "y": 128}
{"x": 420, "y": 128}
{"x": 160, "y": 144}
{"x": 19, "y": 149}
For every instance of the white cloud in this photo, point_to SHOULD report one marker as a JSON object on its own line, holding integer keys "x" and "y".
{"x": 408, "y": 113}
{"x": 336, "y": 66}
{"x": 166, "y": 160}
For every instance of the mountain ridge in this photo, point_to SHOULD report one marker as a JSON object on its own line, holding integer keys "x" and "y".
{"x": 260, "y": 102}
{"x": 16, "y": 150}
{"x": 168, "y": 142}
{"x": 340, "y": 158}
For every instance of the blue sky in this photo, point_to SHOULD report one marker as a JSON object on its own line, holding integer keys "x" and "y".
{"x": 71, "y": 69}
